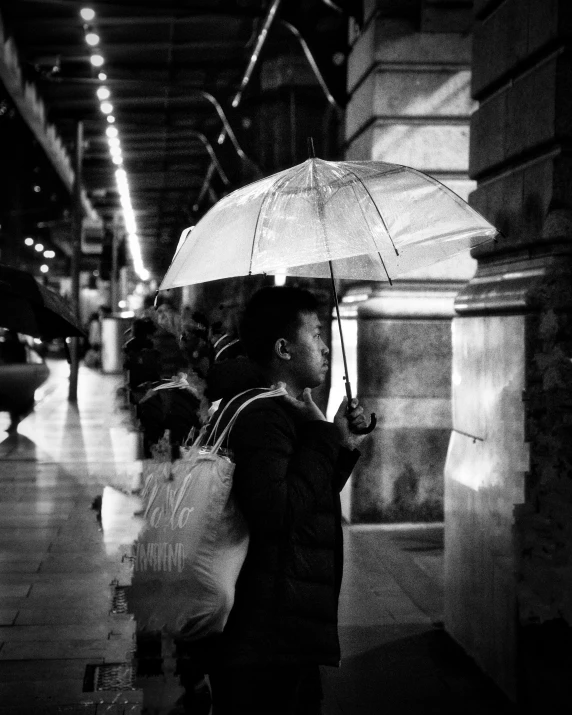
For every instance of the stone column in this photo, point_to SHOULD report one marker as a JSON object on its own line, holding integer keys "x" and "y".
{"x": 404, "y": 376}
{"x": 508, "y": 550}
{"x": 409, "y": 89}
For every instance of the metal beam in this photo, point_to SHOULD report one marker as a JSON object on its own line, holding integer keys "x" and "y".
{"x": 175, "y": 10}
{"x": 123, "y": 101}
{"x": 67, "y": 53}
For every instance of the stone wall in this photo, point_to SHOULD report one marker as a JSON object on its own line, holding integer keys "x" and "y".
{"x": 508, "y": 537}
{"x": 409, "y": 103}
{"x": 404, "y": 376}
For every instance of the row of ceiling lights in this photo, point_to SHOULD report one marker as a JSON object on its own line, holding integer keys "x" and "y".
{"x": 103, "y": 94}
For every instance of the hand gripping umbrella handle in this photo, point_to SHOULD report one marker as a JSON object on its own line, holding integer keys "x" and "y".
{"x": 370, "y": 427}
{"x": 373, "y": 418}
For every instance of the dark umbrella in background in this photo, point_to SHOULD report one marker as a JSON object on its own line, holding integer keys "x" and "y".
{"x": 32, "y": 309}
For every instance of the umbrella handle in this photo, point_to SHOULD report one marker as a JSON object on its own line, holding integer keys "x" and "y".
{"x": 373, "y": 418}
{"x": 370, "y": 427}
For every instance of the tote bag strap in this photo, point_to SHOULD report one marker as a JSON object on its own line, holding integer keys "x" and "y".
{"x": 260, "y": 396}
{"x": 212, "y": 436}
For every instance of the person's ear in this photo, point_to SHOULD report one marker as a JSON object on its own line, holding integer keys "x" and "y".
{"x": 281, "y": 349}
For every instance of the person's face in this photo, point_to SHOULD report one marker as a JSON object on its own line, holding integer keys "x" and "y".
{"x": 308, "y": 353}
{"x": 165, "y": 317}
{"x": 193, "y": 336}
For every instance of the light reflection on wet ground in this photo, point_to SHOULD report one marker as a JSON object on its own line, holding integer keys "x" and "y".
{"x": 64, "y": 584}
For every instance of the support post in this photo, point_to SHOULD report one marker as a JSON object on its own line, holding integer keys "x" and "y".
{"x": 113, "y": 286}
{"x": 77, "y": 223}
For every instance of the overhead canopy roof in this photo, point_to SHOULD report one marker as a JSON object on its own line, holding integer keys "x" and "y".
{"x": 173, "y": 69}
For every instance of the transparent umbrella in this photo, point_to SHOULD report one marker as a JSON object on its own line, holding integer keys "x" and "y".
{"x": 365, "y": 220}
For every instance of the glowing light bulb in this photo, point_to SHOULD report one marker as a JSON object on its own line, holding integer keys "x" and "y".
{"x": 39, "y": 247}
{"x": 111, "y": 131}
{"x": 87, "y": 14}
{"x": 29, "y": 242}
{"x": 106, "y": 107}
{"x": 102, "y": 76}
{"x": 92, "y": 39}
{"x": 103, "y": 93}
{"x": 44, "y": 268}
{"x": 111, "y": 119}
{"x": 97, "y": 60}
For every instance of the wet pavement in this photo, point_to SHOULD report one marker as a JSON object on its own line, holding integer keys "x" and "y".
{"x": 67, "y": 644}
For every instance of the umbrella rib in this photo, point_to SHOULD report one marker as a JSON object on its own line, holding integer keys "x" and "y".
{"x": 320, "y": 211}
{"x": 367, "y": 224}
{"x": 270, "y": 193}
{"x": 461, "y": 202}
{"x": 377, "y": 209}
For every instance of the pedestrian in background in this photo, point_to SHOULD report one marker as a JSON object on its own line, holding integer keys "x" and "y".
{"x": 13, "y": 352}
{"x": 166, "y": 340}
{"x": 177, "y": 410}
{"x": 92, "y": 357}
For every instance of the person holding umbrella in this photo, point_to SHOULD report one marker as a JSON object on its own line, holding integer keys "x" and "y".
{"x": 290, "y": 467}
{"x": 356, "y": 220}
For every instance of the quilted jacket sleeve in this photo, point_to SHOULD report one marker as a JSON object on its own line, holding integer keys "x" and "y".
{"x": 283, "y": 471}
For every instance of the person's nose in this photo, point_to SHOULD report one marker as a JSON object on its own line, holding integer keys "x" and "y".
{"x": 325, "y": 349}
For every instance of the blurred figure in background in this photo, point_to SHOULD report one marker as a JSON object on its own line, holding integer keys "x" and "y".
{"x": 12, "y": 349}
{"x": 166, "y": 341}
{"x": 17, "y": 386}
{"x": 178, "y": 408}
{"x": 141, "y": 359}
{"x": 228, "y": 360}
{"x": 147, "y": 310}
{"x": 92, "y": 356}
{"x": 195, "y": 341}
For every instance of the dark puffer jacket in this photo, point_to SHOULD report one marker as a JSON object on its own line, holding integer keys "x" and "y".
{"x": 287, "y": 481}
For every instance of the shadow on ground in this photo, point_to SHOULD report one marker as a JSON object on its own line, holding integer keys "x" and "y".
{"x": 408, "y": 670}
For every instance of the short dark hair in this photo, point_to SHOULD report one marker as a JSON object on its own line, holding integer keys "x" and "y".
{"x": 168, "y": 303}
{"x": 273, "y": 313}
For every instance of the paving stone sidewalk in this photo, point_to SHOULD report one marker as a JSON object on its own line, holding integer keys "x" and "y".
{"x": 58, "y": 580}
{"x": 396, "y": 657}
{"x": 59, "y": 636}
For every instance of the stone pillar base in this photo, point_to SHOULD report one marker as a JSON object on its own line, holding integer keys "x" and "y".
{"x": 404, "y": 374}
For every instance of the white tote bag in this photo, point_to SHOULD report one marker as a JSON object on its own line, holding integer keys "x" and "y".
{"x": 188, "y": 558}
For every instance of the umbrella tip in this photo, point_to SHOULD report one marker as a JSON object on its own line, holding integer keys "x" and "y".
{"x": 311, "y": 151}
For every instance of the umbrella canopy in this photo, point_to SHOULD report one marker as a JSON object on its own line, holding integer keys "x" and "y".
{"x": 360, "y": 220}
{"x": 371, "y": 220}
{"x": 32, "y": 309}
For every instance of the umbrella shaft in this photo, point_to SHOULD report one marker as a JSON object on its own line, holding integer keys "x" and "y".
{"x": 346, "y": 376}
